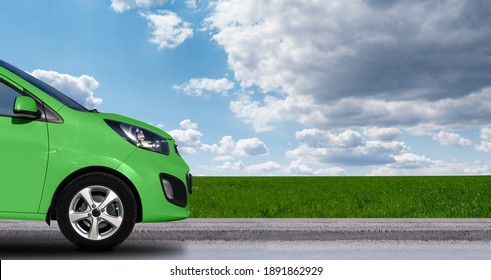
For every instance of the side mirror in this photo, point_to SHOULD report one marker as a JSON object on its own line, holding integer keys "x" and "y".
{"x": 25, "y": 107}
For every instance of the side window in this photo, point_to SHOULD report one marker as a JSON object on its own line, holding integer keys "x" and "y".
{"x": 7, "y": 98}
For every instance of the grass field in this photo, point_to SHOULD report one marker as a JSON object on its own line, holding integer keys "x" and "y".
{"x": 341, "y": 197}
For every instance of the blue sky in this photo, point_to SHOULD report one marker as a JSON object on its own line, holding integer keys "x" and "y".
{"x": 277, "y": 87}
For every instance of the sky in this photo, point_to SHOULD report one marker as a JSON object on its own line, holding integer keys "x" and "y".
{"x": 280, "y": 87}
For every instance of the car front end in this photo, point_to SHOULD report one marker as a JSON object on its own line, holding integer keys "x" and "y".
{"x": 155, "y": 168}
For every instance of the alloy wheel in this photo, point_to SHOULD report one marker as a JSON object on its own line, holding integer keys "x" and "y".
{"x": 96, "y": 212}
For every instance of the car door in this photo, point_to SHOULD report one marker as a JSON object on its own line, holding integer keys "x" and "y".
{"x": 23, "y": 155}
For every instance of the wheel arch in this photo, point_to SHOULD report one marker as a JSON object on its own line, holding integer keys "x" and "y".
{"x": 51, "y": 214}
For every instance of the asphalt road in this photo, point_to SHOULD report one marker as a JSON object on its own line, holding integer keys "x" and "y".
{"x": 280, "y": 230}
{"x": 267, "y": 239}
{"x": 249, "y": 250}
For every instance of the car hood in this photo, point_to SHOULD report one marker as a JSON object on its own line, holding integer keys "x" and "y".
{"x": 120, "y": 118}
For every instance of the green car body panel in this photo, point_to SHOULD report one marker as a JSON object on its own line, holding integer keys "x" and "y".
{"x": 39, "y": 157}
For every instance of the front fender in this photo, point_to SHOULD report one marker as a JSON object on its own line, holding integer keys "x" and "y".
{"x": 56, "y": 179}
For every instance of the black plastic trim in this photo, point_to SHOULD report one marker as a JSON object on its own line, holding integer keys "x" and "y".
{"x": 189, "y": 182}
{"x": 44, "y": 109}
{"x": 178, "y": 188}
{"x": 49, "y": 114}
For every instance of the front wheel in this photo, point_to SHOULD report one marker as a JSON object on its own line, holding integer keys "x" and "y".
{"x": 96, "y": 211}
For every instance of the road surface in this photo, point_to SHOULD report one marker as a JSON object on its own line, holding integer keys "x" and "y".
{"x": 243, "y": 250}
{"x": 322, "y": 239}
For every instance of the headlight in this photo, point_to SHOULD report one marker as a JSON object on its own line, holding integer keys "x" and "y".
{"x": 140, "y": 137}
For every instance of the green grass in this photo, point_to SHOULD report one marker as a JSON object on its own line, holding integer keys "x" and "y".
{"x": 341, "y": 197}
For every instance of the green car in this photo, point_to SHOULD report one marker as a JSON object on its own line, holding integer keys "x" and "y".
{"x": 97, "y": 174}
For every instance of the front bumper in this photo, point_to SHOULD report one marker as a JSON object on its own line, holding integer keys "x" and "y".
{"x": 145, "y": 169}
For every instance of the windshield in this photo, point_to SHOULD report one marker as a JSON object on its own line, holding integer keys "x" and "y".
{"x": 56, "y": 94}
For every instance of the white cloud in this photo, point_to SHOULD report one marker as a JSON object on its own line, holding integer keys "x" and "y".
{"x": 188, "y": 137}
{"x": 451, "y": 139}
{"x": 260, "y": 116}
{"x": 358, "y": 63}
{"x": 265, "y": 167}
{"x": 477, "y": 169}
{"x": 188, "y": 124}
{"x": 457, "y": 113}
{"x": 319, "y": 138}
{"x": 273, "y": 168}
{"x": 332, "y": 171}
{"x": 410, "y": 165}
{"x": 249, "y": 147}
{"x": 188, "y": 140}
{"x": 223, "y": 158}
{"x": 348, "y": 148}
{"x": 226, "y": 166}
{"x": 168, "y": 29}
{"x": 191, "y": 4}
{"x": 198, "y": 86}
{"x": 382, "y": 133}
{"x": 485, "y": 145}
{"x": 486, "y": 134}
{"x": 123, "y": 5}
{"x": 262, "y": 168}
{"x": 411, "y": 161}
{"x": 226, "y": 145}
{"x": 299, "y": 167}
{"x": 81, "y": 89}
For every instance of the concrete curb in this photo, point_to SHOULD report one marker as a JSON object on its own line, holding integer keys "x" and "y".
{"x": 279, "y": 230}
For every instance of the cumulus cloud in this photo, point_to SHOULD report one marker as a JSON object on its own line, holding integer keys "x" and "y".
{"x": 123, "y": 5}
{"x": 188, "y": 137}
{"x": 318, "y": 138}
{"x": 249, "y": 147}
{"x": 261, "y": 115}
{"x": 168, "y": 29}
{"x": 238, "y": 165}
{"x": 382, "y": 133}
{"x": 486, "y": 134}
{"x": 81, "y": 89}
{"x": 332, "y": 171}
{"x": 273, "y": 168}
{"x": 410, "y": 164}
{"x": 223, "y": 158}
{"x": 197, "y": 87}
{"x": 411, "y": 161}
{"x": 188, "y": 124}
{"x": 357, "y": 63}
{"x": 451, "y": 139}
{"x": 485, "y": 145}
{"x": 191, "y": 4}
{"x": 226, "y": 145}
{"x": 348, "y": 148}
{"x": 263, "y": 168}
{"x": 299, "y": 167}
{"x": 450, "y": 113}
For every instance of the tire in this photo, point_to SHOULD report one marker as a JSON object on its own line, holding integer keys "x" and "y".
{"x": 96, "y": 211}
